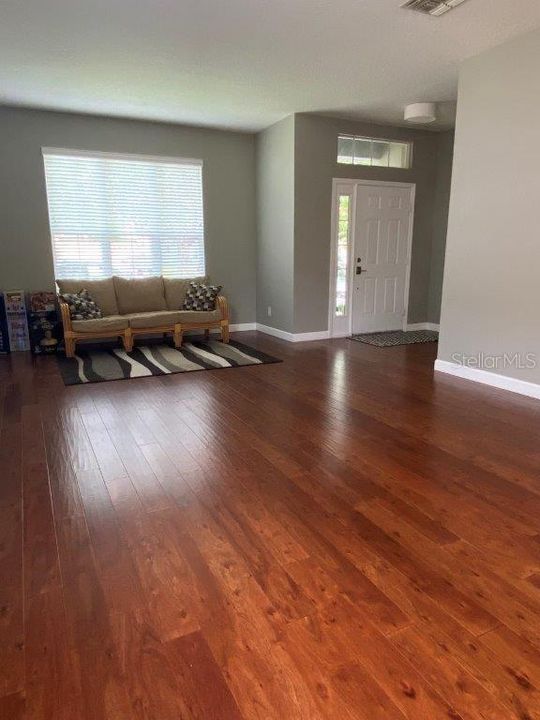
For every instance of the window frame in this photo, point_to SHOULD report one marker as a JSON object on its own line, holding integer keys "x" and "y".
{"x": 141, "y": 157}
{"x": 343, "y": 193}
{"x": 339, "y": 325}
{"x": 134, "y": 157}
{"x": 348, "y": 136}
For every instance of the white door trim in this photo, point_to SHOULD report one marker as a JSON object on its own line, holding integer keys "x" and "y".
{"x": 353, "y": 183}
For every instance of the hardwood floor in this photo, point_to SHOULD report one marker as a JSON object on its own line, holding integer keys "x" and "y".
{"x": 340, "y": 536}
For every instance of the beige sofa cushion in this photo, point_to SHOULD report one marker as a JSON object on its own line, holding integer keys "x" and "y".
{"x": 102, "y": 292}
{"x": 153, "y": 319}
{"x": 138, "y": 321}
{"x": 135, "y": 295}
{"x": 176, "y": 288}
{"x": 198, "y": 316}
{"x": 106, "y": 324}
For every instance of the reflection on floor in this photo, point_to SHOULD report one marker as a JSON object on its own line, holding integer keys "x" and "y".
{"x": 339, "y": 536}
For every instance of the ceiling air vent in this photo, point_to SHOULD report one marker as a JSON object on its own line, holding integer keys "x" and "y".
{"x": 432, "y": 7}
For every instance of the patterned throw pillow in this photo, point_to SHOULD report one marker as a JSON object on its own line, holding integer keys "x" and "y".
{"x": 201, "y": 297}
{"x": 81, "y": 305}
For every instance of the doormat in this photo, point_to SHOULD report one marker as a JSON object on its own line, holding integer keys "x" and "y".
{"x": 103, "y": 364}
{"x": 397, "y": 337}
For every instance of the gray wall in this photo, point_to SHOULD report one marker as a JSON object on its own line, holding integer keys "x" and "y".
{"x": 441, "y": 202}
{"x": 229, "y": 188}
{"x": 275, "y": 225}
{"x": 491, "y": 292}
{"x": 270, "y": 249}
{"x": 315, "y": 166}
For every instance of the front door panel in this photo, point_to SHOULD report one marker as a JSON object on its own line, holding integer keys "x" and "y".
{"x": 381, "y": 247}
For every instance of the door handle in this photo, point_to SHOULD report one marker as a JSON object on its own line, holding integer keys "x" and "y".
{"x": 358, "y": 270}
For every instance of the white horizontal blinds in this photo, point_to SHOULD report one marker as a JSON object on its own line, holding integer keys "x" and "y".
{"x": 122, "y": 215}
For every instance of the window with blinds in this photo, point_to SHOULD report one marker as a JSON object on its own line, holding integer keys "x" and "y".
{"x": 127, "y": 215}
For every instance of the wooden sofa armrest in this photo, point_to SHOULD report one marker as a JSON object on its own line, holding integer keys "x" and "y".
{"x": 65, "y": 315}
{"x": 223, "y": 306}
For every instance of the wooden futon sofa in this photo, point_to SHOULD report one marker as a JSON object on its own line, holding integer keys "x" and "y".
{"x": 141, "y": 306}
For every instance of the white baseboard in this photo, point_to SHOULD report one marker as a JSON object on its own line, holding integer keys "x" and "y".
{"x": 239, "y": 327}
{"x": 503, "y": 382}
{"x": 275, "y": 332}
{"x": 324, "y": 334}
{"x": 293, "y": 337}
{"x": 339, "y": 335}
{"x": 423, "y": 326}
{"x": 310, "y": 336}
{"x": 242, "y": 327}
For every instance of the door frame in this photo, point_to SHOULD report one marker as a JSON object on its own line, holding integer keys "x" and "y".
{"x": 333, "y": 331}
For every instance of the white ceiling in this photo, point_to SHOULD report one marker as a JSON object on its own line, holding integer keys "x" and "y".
{"x": 243, "y": 64}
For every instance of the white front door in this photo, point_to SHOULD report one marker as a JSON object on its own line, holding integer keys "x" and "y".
{"x": 380, "y": 244}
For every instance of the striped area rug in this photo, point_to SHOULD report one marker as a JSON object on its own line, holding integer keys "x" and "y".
{"x": 100, "y": 365}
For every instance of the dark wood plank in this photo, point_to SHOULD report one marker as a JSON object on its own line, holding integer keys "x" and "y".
{"x": 340, "y": 536}
{"x": 461, "y": 606}
{"x": 12, "y": 707}
{"x": 200, "y": 680}
{"x": 52, "y": 681}
{"x": 11, "y": 639}
{"x": 11, "y": 562}
{"x": 452, "y": 680}
{"x": 340, "y": 632}
{"x": 459, "y": 565}
{"x": 40, "y": 550}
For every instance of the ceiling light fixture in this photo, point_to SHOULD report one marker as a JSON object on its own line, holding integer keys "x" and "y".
{"x": 421, "y": 113}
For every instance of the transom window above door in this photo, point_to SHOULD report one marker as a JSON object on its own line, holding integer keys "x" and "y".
{"x": 127, "y": 215}
{"x": 373, "y": 152}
